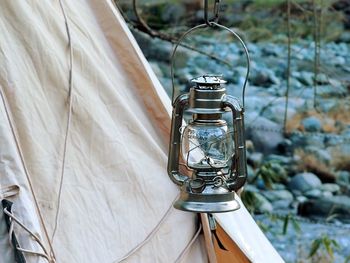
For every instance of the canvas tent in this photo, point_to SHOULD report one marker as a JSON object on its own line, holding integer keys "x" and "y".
{"x": 113, "y": 202}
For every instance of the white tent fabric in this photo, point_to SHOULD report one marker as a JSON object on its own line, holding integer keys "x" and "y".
{"x": 241, "y": 227}
{"x": 116, "y": 199}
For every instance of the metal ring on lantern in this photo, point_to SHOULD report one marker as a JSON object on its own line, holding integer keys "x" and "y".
{"x": 202, "y": 26}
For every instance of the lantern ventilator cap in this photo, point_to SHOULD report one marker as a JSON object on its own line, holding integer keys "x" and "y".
{"x": 209, "y": 81}
{"x": 206, "y": 96}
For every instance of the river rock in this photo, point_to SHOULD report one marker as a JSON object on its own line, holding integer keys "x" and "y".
{"x": 276, "y": 195}
{"x": 264, "y": 77}
{"x": 326, "y": 105}
{"x": 333, "y": 188}
{"x": 262, "y": 204}
{"x": 281, "y": 204}
{"x": 270, "y": 49}
{"x": 332, "y": 90}
{"x": 326, "y": 207}
{"x": 250, "y": 173}
{"x": 312, "y": 124}
{"x": 277, "y": 186}
{"x": 304, "y": 182}
{"x": 306, "y": 78}
{"x": 301, "y": 199}
{"x": 338, "y": 61}
{"x": 295, "y": 86}
{"x": 251, "y": 188}
{"x": 280, "y": 159}
{"x": 265, "y": 134}
{"x": 276, "y": 113}
{"x": 313, "y": 193}
{"x": 153, "y": 49}
{"x": 343, "y": 177}
{"x": 322, "y": 155}
{"x": 332, "y": 141}
{"x": 327, "y": 194}
{"x": 322, "y": 79}
{"x": 314, "y": 140}
{"x": 254, "y": 104}
{"x": 255, "y": 159}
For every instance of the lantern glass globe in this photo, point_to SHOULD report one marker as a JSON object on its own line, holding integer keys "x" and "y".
{"x": 207, "y": 145}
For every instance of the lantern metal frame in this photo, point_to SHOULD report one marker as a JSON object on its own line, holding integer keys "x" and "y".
{"x": 207, "y": 192}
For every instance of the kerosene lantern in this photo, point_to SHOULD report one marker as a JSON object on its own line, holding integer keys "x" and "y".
{"x": 213, "y": 154}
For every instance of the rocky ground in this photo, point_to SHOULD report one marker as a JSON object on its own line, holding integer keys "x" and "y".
{"x": 303, "y": 170}
{"x": 296, "y": 244}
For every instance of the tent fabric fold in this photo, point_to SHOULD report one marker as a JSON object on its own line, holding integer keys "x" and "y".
{"x": 116, "y": 201}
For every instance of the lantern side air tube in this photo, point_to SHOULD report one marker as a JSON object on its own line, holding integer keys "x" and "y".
{"x": 239, "y": 165}
{"x": 175, "y": 139}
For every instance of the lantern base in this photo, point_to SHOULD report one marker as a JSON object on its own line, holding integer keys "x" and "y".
{"x": 207, "y": 203}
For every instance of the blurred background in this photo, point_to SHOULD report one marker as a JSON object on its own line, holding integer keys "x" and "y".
{"x": 297, "y": 106}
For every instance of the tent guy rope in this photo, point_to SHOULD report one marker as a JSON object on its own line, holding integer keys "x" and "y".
{"x": 154, "y": 231}
{"x": 14, "y": 219}
{"x": 189, "y": 245}
{"x": 70, "y": 105}
{"x": 26, "y": 171}
{"x": 12, "y": 126}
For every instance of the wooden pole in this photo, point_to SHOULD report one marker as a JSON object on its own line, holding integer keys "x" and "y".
{"x": 208, "y": 238}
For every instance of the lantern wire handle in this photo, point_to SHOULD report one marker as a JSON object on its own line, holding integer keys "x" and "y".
{"x": 201, "y": 26}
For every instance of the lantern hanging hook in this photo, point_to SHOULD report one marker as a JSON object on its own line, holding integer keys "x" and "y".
{"x": 216, "y": 12}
